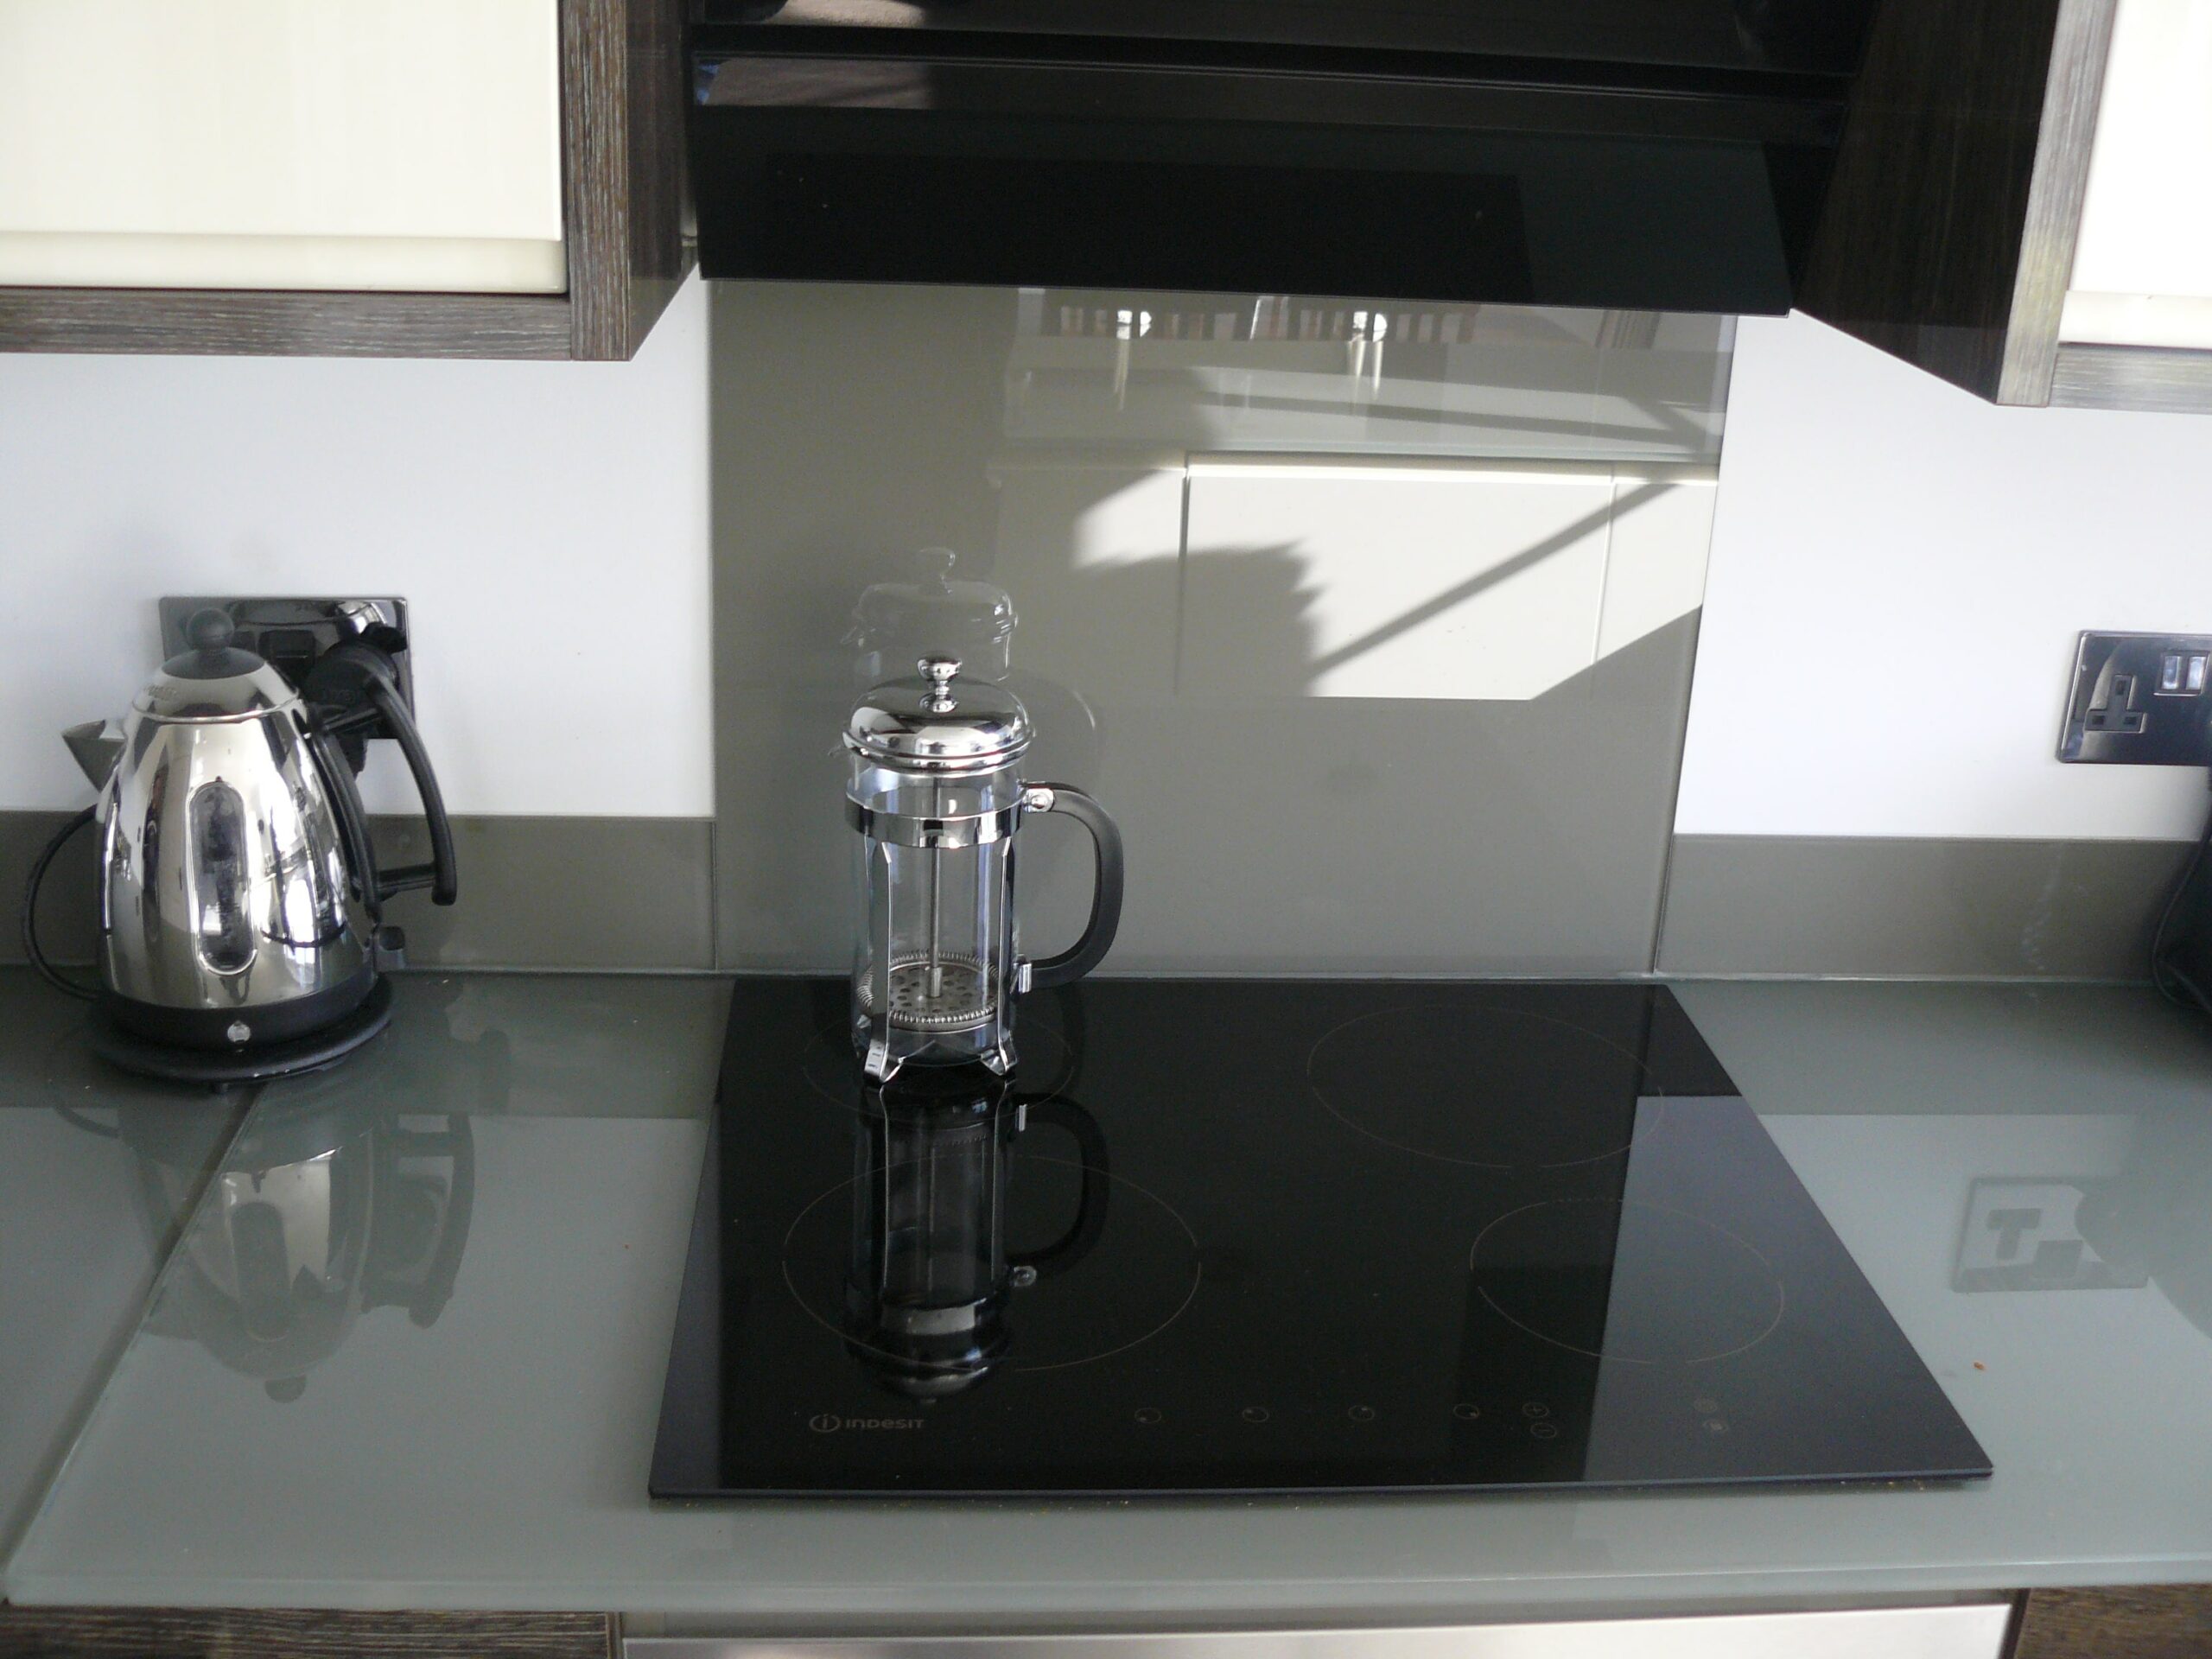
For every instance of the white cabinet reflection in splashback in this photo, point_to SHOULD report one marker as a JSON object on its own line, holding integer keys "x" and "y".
{"x": 1234, "y": 578}
{"x": 1458, "y": 579}
{"x": 1446, "y": 580}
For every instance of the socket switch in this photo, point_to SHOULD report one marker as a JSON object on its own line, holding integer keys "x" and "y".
{"x": 2140, "y": 700}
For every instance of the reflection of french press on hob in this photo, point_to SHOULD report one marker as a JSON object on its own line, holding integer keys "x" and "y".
{"x": 930, "y": 1276}
{"x": 934, "y": 790}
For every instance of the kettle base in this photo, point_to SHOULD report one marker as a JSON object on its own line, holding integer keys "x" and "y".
{"x": 172, "y": 1062}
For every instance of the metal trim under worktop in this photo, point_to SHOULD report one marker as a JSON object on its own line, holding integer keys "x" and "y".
{"x": 1966, "y": 1631}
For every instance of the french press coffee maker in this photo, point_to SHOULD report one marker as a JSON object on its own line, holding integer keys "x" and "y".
{"x": 935, "y": 791}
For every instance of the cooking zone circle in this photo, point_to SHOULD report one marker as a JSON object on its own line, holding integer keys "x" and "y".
{"x": 1639, "y": 1283}
{"x": 1512, "y": 1091}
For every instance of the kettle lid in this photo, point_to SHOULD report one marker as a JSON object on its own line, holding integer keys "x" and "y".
{"x": 212, "y": 678}
{"x": 927, "y": 721}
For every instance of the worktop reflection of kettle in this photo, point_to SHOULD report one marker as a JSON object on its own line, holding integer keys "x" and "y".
{"x": 315, "y": 1219}
{"x": 345, "y": 1192}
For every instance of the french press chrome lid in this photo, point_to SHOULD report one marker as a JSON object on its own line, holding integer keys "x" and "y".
{"x": 923, "y": 724}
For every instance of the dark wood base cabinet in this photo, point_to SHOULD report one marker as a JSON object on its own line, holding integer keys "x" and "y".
{"x": 238, "y": 1633}
{"x": 2150, "y": 1621}
{"x": 2164, "y": 1621}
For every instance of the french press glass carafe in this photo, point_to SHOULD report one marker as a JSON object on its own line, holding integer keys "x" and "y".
{"x": 935, "y": 793}
{"x": 930, "y": 1274}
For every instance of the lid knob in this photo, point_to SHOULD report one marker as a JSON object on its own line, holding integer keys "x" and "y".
{"x": 210, "y": 628}
{"x": 940, "y": 671}
{"x": 211, "y": 652}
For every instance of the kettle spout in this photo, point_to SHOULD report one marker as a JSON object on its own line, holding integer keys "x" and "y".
{"x": 98, "y": 745}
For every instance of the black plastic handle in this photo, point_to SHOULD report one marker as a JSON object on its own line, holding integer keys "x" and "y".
{"x": 441, "y": 875}
{"x": 1087, "y": 952}
{"x": 1073, "y": 1245}
{"x": 353, "y": 821}
{"x": 355, "y": 692}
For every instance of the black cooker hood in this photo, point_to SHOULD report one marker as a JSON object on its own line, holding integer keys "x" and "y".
{"x": 1641, "y": 155}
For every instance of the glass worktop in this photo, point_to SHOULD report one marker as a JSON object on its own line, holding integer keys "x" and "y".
{"x": 462, "y": 1413}
{"x": 96, "y": 1171}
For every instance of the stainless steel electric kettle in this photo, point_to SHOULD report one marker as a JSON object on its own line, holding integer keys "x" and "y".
{"x": 239, "y": 902}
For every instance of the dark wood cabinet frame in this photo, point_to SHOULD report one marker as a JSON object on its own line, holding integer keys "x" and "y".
{"x": 1948, "y": 237}
{"x": 622, "y": 190}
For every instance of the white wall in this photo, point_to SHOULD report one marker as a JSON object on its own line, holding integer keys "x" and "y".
{"x": 547, "y": 523}
{"x": 1897, "y": 575}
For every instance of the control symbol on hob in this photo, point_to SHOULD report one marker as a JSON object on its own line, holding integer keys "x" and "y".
{"x": 1466, "y": 1411}
{"x": 1149, "y": 1414}
{"x": 1541, "y": 1430}
{"x": 1255, "y": 1414}
{"x": 1716, "y": 1424}
{"x": 1361, "y": 1413}
{"x": 1535, "y": 1408}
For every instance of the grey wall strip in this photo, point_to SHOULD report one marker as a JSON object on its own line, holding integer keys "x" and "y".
{"x": 1881, "y": 907}
{"x": 536, "y": 892}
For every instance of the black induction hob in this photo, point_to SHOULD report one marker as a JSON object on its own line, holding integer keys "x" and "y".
{"x": 1271, "y": 1237}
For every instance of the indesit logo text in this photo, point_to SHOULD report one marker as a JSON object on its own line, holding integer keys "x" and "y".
{"x": 829, "y": 1422}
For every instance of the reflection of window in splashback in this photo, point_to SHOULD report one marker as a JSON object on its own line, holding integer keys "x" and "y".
{"x": 1295, "y": 372}
{"x": 1372, "y": 687}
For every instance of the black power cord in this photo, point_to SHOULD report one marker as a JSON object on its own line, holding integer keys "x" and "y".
{"x": 2174, "y": 982}
{"x": 47, "y": 970}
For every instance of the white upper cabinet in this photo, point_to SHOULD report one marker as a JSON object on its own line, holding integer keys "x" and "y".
{"x": 2143, "y": 263}
{"x": 393, "y": 145}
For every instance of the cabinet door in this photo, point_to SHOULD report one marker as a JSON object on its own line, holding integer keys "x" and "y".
{"x": 405, "y": 144}
{"x": 2143, "y": 265}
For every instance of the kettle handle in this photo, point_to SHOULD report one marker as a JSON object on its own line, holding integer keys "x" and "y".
{"x": 385, "y": 711}
{"x": 1087, "y": 952}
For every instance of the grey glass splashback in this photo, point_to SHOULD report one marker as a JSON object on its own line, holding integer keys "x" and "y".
{"x": 1373, "y": 628}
